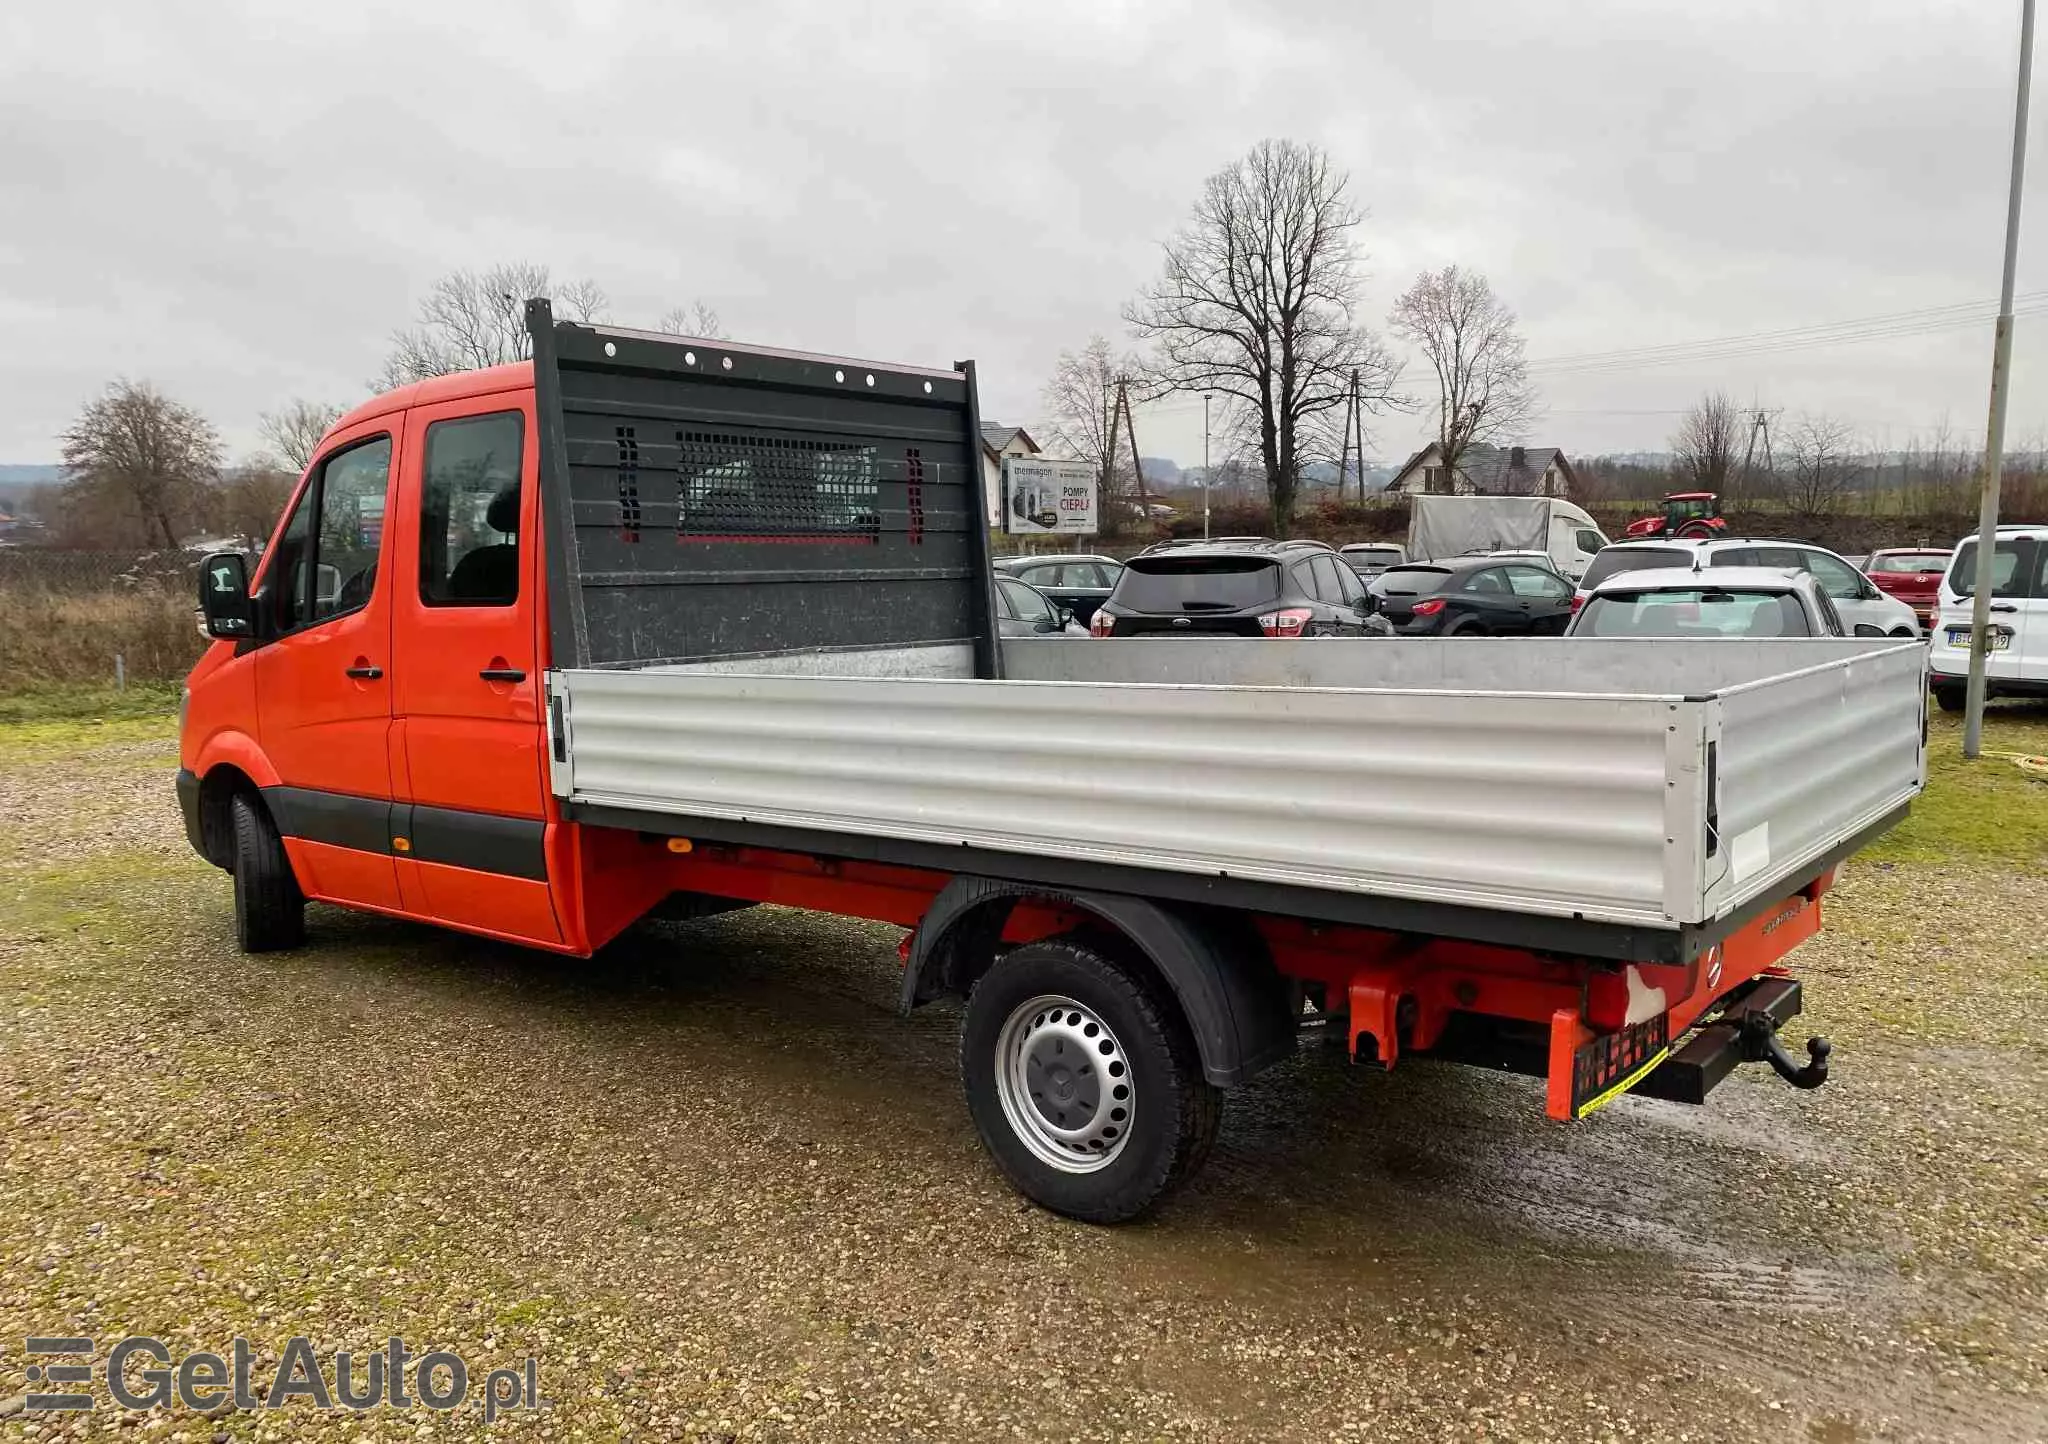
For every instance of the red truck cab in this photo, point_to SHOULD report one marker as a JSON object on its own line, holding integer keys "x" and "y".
{"x": 386, "y": 706}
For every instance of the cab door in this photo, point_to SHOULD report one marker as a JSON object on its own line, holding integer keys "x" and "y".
{"x": 467, "y": 695}
{"x": 323, "y": 671}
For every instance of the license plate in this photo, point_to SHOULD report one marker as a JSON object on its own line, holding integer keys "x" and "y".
{"x": 1608, "y": 1066}
{"x": 2001, "y": 637}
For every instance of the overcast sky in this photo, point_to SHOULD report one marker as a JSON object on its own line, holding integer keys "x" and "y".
{"x": 239, "y": 203}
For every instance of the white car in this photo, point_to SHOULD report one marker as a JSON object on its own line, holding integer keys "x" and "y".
{"x": 1711, "y": 603}
{"x": 1855, "y": 596}
{"x": 2017, "y": 665}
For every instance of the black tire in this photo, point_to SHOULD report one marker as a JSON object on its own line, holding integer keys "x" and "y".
{"x": 1694, "y": 531}
{"x": 1900, "y": 634}
{"x": 1174, "y": 1109}
{"x": 1465, "y": 629}
{"x": 270, "y": 911}
{"x": 1949, "y": 699}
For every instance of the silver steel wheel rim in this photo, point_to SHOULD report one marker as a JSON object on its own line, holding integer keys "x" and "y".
{"x": 1065, "y": 1084}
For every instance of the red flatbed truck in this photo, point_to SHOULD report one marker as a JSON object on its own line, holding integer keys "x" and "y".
{"x": 656, "y": 624}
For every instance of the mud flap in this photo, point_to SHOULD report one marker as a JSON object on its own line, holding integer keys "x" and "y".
{"x": 1589, "y": 1070}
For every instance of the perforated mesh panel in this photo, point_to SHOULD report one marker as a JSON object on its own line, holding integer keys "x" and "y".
{"x": 774, "y": 504}
{"x": 734, "y": 485}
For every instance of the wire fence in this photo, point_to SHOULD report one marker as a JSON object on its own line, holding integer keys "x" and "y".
{"x": 71, "y": 618}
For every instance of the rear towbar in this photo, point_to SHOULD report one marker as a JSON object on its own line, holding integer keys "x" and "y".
{"x": 1745, "y": 1032}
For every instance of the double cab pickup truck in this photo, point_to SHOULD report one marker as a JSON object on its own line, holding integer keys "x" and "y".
{"x": 647, "y": 625}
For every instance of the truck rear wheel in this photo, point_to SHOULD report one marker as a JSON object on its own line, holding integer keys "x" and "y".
{"x": 270, "y": 911}
{"x": 1084, "y": 1081}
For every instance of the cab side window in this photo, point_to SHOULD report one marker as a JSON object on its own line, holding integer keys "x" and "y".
{"x": 352, "y": 487}
{"x": 469, "y": 512}
{"x": 330, "y": 570}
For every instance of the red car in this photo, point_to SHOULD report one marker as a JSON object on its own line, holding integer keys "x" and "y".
{"x": 1913, "y": 575}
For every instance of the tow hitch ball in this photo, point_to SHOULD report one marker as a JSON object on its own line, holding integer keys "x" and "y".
{"x": 1760, "y": 1045}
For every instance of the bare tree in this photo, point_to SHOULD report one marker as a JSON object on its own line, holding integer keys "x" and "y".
{"x": 1707, "y": 447}
{"x": 252, "y": 495}
{"x": 138, "y": 467}
{"x": 473, "y": 319}
{"x": 294, "y": 433}
{"x": 695, "y": 319}
{"x": 1079, "y": 401}
{"x": 1822, "y": 464}
{"x": 1470, "y": 339}
{"x": 1257, "y": 302}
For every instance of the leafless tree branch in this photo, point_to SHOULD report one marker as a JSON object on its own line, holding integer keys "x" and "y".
{"x": 1256, "y": 301}
{"x": 138, "y": 466}
{"x": 1469, "y": 337}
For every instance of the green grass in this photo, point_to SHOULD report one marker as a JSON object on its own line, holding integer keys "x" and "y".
{"x": 58, "y": 702}
{"x": 1987, "y": 810}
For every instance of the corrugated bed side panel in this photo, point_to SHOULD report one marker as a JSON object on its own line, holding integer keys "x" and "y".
{"x": 1807, "y": 760}
{"x": 1549, "y": 805}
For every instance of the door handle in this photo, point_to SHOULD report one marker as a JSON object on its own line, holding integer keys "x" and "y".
{"x": 366, "y": 673}
{"x": 2003, "y": 607}
{"x": 502, "y": 674}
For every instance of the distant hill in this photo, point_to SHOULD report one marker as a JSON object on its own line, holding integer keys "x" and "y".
{"x": 17, "y": 481}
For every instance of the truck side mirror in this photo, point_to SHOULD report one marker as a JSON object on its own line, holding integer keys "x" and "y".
{"x": 1868, "y": 629}
{"x": 224, "y": 597}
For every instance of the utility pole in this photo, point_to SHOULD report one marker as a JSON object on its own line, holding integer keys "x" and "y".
{"x": 1354, "y": 422}
{"x": 1123, "y": 402}
{"x": 1994, "y": 443}
{"x": 1206, "y": 477}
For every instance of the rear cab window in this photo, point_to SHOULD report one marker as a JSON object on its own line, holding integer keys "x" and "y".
{"x": 1613, "y": 561}
{"x": 1171, "y": 583}
{"x": 469, "y": 512}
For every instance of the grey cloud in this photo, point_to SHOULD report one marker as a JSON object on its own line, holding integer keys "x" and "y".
{"x": 242, "y": 203}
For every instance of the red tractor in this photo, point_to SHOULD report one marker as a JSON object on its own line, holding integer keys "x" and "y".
{"x": 1685, "y": 514}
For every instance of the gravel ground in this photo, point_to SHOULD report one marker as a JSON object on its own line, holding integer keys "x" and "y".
{"x": 720, "y": 1191}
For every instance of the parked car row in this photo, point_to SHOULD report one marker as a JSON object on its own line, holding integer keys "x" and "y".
{"x": 1678, "y": 587}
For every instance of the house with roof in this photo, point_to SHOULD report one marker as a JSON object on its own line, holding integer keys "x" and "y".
{"x": 997, "y": 442}
{"x": 1486, "y": 471}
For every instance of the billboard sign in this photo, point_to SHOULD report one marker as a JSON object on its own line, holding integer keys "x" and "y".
{"x": 1042, "y": 497}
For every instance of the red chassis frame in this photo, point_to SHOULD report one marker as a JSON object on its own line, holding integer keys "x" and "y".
{"x": 1401, "y": 990}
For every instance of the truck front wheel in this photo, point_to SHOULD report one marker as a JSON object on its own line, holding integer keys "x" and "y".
{"x": 270, "y": 911}
{"x": 1084, "y": 1081}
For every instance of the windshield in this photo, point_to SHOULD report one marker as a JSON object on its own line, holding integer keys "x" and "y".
{"x": 1613, "y": 561}
{"x": 1910, "y": 562}
{"x": 1170, "y": 583}
{"x": 1693, "y": 612}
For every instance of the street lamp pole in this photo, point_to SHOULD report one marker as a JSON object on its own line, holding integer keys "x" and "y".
{"x": 1205, "y": 453}
{"x": 2001, "y": 384}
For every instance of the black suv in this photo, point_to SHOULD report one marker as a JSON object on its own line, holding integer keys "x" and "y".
{"x": 1237, "y": 589}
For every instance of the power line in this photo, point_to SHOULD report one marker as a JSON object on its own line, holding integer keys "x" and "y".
{"x": 1885, "y": 318}
{"x": 1869, "y": 328}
